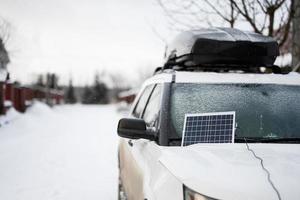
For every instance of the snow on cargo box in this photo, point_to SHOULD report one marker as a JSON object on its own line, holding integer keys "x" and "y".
{"x": 222, "y": 46}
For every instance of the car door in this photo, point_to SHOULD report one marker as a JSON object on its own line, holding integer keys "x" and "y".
{"x": 155, "y": 181}
{"x": 130, "y": 171}
{"x": 143, "y": 175}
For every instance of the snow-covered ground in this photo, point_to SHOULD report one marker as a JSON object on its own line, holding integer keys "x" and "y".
{"x": 65, "y": 153}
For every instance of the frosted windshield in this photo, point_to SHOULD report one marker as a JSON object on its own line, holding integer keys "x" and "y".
{"x": 261, "y": 110}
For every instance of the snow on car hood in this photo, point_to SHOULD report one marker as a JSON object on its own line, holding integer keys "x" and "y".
{"x": 230, "y": 171}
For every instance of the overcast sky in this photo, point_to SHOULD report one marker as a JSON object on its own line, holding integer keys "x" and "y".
{"x": 78, "y": 37}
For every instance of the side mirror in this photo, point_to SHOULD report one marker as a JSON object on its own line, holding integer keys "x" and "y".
{"x": 134, "y": 129}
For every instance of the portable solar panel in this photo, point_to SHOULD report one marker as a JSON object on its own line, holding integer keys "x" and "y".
{"x": 215, "y": 127}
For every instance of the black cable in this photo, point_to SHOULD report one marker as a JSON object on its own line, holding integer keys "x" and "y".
{"x": 263, "y": 167}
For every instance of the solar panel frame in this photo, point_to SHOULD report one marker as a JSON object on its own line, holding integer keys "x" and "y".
{"x": 229, "y": 113}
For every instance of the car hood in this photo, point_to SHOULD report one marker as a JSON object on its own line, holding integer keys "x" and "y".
{"x": 230, "y": 171}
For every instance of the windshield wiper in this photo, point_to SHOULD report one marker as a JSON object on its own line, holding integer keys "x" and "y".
{"x": 267, "y": 140}
{"x": 248, "y": 139}
{"x": 283, "y": 140}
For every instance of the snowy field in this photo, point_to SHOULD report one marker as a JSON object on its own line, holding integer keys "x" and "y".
{"x": 65, "y": 153}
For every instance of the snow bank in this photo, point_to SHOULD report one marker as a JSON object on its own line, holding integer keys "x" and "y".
{"x": 68, "y": 152}
{"x": 11, "y": 115}
{"x": 39, "y": 108}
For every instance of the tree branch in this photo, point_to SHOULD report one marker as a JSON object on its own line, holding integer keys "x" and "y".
{"x": 288, "y": 24}
{"x": 244, "y": 12}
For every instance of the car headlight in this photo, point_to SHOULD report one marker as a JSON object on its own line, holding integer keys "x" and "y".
{"x": 192, "y": 195}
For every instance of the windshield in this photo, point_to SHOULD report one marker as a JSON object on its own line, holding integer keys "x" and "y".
{"x": 262, "y": 111}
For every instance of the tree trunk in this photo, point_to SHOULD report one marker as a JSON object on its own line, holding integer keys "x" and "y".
{"x": 271, "y": 22}
{"x": 296, "y": 36}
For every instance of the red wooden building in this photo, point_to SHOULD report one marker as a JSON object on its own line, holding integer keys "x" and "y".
{"x": 2, "y": 97}
{"x": 128, "y": 96}
{"x": 22, "y": 97}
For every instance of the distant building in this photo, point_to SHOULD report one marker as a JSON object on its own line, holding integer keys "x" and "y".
{"x": 128, "y": 95}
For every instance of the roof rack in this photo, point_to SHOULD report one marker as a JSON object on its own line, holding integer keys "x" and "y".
{"x": 222, "y": 50}
{"x": 224, "y": 69}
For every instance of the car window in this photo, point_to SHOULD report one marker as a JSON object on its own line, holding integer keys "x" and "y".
{"x": 151, "y": 112}
{"x": 139, "y": 108}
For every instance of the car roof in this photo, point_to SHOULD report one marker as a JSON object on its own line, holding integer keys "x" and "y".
{"x": 225, "y": 78}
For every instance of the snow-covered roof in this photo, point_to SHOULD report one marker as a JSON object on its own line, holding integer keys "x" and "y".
{"x": 227, "y": 78}
{"x": 286, "y": 79}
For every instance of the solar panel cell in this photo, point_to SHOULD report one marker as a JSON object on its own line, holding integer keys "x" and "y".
{"x": 208, "y": 128}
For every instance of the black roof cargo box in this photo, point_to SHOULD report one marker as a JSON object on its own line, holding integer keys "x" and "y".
{"x": 222, "y": 46}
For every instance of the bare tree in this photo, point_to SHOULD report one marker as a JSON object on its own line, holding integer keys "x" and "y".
{"x": 4, "y": 37}
{"x": 5, "y": 30}
{"x": 197, "y": 13}
{"x": 268, "y": 17}
{"x": 296, "y": 37}
{"x": 118, "y": 80}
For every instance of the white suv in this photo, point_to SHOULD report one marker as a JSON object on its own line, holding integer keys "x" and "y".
{"x": 261, "y": 162}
